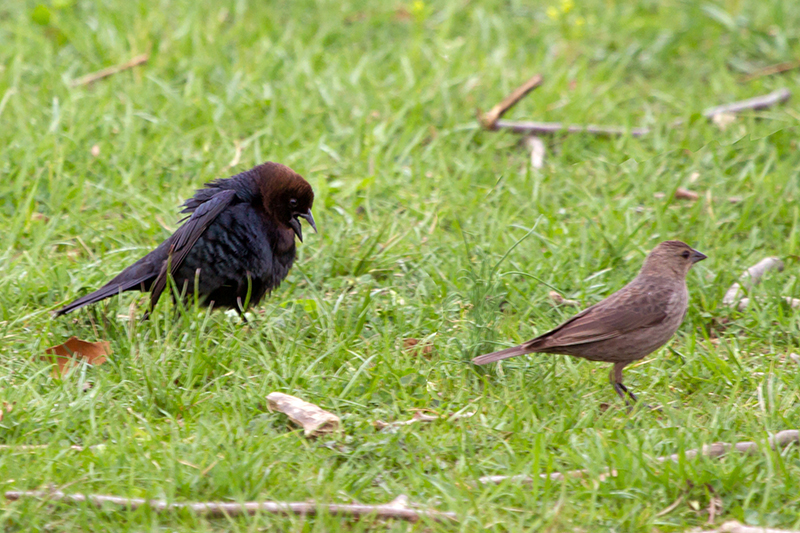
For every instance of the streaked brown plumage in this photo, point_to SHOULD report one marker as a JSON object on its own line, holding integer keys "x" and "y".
{"x": 628, "y": 325}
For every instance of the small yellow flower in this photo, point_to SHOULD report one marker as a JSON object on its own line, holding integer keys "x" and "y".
{"x": 567, "y": 5}
{"x": 552, "y": 13}
{"x": 580, "y": 21}
{"x": 418, "y": 8}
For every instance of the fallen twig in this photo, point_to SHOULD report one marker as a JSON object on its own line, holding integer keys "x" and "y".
{"x": 717, "y": 449}
{"x": 550, "y": 128}
{"x": 419, "y": 416}
{"x": 33, "y": 447}
{"x": 770, "y": 70}
{"x": 758, "y": 102}
{"x": 750, "y": 278}
{"x": 686, "y": 194}
{"x": 110, "y": 71}
{"x": 398, "y": 508}
{"x": 489, "y": 119}
{"x": 735, "y": 527}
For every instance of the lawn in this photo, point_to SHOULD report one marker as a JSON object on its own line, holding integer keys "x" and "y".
{"x": 431, "y": 229}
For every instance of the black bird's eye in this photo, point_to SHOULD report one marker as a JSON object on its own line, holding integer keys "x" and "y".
{"x": 685, "y": 255}
{"x": 293, "y": 203}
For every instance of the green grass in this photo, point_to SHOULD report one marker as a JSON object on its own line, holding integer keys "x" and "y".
{"x": 417, "y": 207}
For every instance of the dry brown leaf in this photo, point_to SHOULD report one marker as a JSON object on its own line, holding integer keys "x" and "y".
{"x": 74, "y": 350}
{"x": 686, "y": 194}
{"x": 414, "y": 344}
{"x": 314, "y": 420}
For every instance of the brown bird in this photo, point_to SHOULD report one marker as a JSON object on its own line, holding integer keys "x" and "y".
{"x": 236, "y": 244}
{"x": 628, "y": 325}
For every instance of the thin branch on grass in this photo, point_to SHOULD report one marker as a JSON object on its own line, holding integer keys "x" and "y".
{"x": 489, "y": 119}
{"x": 770, "y": 70}
{"x": 735, "y": 527}
{"x": 715, "y": 450}
{"x": 551, "y": 128}
{"x": 419, "y": 416}
{"x": 399, "y": 508}
{"x": 759, "y": 102}
{"x": 110, "y": 71}
{"x": 34, "y": 447}
{"x": 682, "y": 193}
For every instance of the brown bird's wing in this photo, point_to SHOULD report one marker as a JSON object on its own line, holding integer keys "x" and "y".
{"x": 621, "y": 313}
{"x": 612, "y": 317}
{"x": 182, "y": 241}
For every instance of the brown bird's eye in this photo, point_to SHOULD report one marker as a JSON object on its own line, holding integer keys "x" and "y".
{"x": 293, "y": 203}
{"x": 685, "y": 255}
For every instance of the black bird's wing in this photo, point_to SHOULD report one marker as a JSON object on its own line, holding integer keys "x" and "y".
{"x": 182, "y": 241}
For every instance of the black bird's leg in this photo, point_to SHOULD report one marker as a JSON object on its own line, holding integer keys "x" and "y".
{"x": 240, "y": 308}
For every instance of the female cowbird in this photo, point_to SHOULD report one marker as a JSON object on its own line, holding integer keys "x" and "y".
{"x": 236, "y": 244}
{"x": 628, "y": 325}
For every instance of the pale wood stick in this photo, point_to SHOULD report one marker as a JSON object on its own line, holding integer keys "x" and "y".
{"x": 759, "y": 102}
{"x": 110, "y": 71}
{"x": 490, "y": 118}
{"x": 772, "y": 69}
{"x": 550, "y": 128}
{"x": 717, "y": 449}
{"x": 396, "y": 509}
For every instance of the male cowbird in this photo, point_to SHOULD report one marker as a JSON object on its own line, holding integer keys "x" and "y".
{"x": 236, "y": 244}
{"x": 628, "y": 325}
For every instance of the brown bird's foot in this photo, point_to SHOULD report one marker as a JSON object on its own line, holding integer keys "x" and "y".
{"x": 622, "y": 391}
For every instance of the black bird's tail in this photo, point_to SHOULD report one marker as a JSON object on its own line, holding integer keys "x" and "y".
{"x": 137, "y": 277}
{"x": 522, "y": 349}
{"x": 110, "y": 289}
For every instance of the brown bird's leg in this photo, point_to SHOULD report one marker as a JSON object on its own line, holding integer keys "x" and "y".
{"x": 616, "y": 381}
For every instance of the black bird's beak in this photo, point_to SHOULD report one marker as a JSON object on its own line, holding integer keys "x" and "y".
{"x": 696, "y": 256}
{"x": 294, "y": 223}
{"x": 309, "y": 219}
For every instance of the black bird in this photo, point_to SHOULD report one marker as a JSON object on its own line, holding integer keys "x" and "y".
{"x": 236, "y": 244}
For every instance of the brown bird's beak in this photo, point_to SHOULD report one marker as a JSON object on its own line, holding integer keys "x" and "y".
{"x": 696, "y": 256}
{"x": 295, "y": 224}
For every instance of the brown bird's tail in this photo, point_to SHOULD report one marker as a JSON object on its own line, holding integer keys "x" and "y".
{"x": 502, "y": 354}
